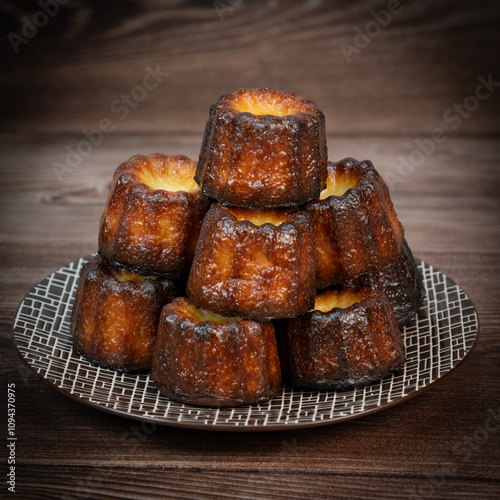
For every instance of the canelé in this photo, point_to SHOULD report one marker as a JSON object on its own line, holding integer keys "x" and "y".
{"x": 263, "y": 148}
{"x": 350, "y": 338}
{"x": 259, "y": 264}
{"x": 115, "y": 315}
{"x": 202, "y": 358}
{"x": 153, "y": 215}
{"x": 355, "y": 225}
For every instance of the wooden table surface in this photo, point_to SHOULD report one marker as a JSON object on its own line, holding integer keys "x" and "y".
{"x": 414, "y": 89}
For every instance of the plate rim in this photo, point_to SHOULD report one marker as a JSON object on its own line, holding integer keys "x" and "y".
{"x": 284, "y": 426}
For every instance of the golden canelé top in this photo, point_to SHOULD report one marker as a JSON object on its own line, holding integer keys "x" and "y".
{"x": 258, "y": 217}
{"x": 267, "y": 101}
{"x": 337, "y": 183}
{"x": 330, "y": 299}
{"x": 168, "y": 173}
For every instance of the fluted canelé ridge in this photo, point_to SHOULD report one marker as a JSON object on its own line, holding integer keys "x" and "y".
{"x": 263, "y": 148}
{"x": 355, "y": 224}
{"x": 115, "y": 315}
{"x": 258, "y": 264}
{"x": 350, "y": 338}
{"x": 153, "y": 215}
{"x": 205, "y": 359}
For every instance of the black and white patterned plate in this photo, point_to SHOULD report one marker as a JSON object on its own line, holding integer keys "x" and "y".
{"x": 437, "y": 340}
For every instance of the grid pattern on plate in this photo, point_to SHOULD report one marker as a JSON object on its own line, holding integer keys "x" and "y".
{"x": 436, "y": 340}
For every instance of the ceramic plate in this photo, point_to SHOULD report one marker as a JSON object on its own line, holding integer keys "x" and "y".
{"x": 437, "y": 340}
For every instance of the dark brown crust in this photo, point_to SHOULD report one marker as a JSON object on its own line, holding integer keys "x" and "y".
{"x": 357, "y": 231}
{"x": 115, "y": 323}
{"x": 214, "y": 364}
{"x": 151, "y": 232}
{"x": 343, "y": 347}
{"x": 262, "y": 161}
{"x": 258, "y": 272}
{"x": 401, "y": 282}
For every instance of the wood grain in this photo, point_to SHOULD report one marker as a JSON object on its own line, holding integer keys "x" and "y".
{"x": 427, "y": 58}
{"x": 393, "y": 93}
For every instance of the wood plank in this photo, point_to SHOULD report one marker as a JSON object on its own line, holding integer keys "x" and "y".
{"x": 161, "y": 482}
{"x": 294, "y": 46}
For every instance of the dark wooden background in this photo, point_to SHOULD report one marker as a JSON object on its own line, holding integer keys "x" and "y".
{"x": 398, "y": 88}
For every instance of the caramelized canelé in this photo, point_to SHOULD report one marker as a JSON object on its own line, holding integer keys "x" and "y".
{"x": 263, "y": 148}
{"x": 355, "y": 225}
{"x": 115, "y": 315}
{"x": 350, "y": 338}
{"x": 359, "y": 239}
{"x": 153, "y": 215}
{"x": 206, "y": 359}
{"x": 259, "y": 264}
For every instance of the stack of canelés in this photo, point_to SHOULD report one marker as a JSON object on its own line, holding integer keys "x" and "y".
{"x": 261, "y": 261}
